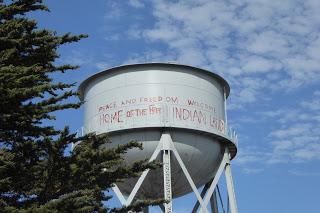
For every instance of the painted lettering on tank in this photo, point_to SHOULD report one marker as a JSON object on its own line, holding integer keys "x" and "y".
{"x": 114, "y": 117}
{"x": 192, "y": 115}
{"x": 183, "y": 112}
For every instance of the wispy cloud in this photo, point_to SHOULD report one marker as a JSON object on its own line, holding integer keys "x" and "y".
{"x": 136, "y": 3}
{"x": 297, "y": 137}
{"x": 114, "y": 11}
{"x": 102, "y": 65}
{"x": 292, "y": 131}
{"x": 313, "y": 105}
{"x": 293, "y": 138}
{"x": 303, "y": 173}
{"x": 264, "y": 48}
{"x": 252, "y": 170}
{"x": 150, "y": 56}
{"x": 112, "y": 37}
{"x": 248, "y": 155}
{"x": 76, "y": 58}
{"x": 275, "y": 44}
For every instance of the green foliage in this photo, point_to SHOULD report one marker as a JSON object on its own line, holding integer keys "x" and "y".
{"x": 35, "y": 174}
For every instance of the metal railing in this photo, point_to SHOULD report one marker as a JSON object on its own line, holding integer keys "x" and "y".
{"x": 81, "y": 132}
{"x": 232, "y": 135}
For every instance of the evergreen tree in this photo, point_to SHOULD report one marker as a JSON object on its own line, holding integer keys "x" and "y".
{"x": 35, "y": 174}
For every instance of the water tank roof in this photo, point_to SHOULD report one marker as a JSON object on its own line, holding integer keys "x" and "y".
{"x": 152, "y": 65}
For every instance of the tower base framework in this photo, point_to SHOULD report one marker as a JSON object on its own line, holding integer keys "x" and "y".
{"x": 167, "y": 149}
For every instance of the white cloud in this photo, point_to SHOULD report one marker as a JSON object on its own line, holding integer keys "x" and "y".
{"x": 112, "y": 37}
{"x": 294, "y": 138}
{"x": 133, "y": 32}
{"x": 269, "y": 42}
{"x": 247, "y": 159}
{"x": 282, "y": 145}
{"x": 247, "y": 95}
{"x": 260, "y": 64}
{"x": 252, "y": 170}
{"x": 76, "y": 58}
{"x": 310, "y": 152}
{"x": 136, "y": 3}
{"x": 261, "y": 47}
{"x": 150, "y": 56}
{"x": 276, "y": 43}
{"x": 316, "y": 93}
{"x": 294, "y": 130}
{"x": 273, "y": 113}
{"x": 102, "y": 65}
{"x": 313, "y": 105}
{"x": 297, "y": 136}
{"x": 303, "y": 173}
{"x": 114, "y": 10}
{"x": 161, "y": 33}
{"x": 250, "y": 155}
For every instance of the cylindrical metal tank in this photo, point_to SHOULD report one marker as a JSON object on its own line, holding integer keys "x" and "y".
{"x": 141, "y": 101}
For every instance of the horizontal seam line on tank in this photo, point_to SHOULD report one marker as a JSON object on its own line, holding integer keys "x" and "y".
{"x": 155, "y": 84}
{"x": 178, "y": 127}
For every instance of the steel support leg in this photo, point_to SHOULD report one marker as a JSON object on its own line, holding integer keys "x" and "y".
{"x": 127, "y": 202}
{"x": 146, "y": 210}
{"x": 207, "y": 195}
{"x": 214, "y": 203}
{"x": 120, "y": 196}
{"x": 203, "y": 193}
{"x": 161, "y": 206}
{"x": 192, "y": 185}
{"x": 213, "y": 200}
{"x": 168, "y": 145}
{"x": 230, "y": 188}
{"x": 167, "y": 175}
{"x": 215, "y": 180}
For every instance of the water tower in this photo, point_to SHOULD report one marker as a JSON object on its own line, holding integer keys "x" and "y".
{"x": 178, "y": 112}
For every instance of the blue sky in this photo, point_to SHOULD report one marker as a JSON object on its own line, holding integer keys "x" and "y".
{"x": 269, "y": 51}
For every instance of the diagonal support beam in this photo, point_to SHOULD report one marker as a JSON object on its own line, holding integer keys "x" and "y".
{"x": 167, "y": 146}
{"x": 139, "y": 182}
{"x": 186, "y": 173}
{"x": 214, "y": 203}
{"x": 143, "y": 176}
{"x": 120, "y": 196}
{"x": 230, "y": 188}
{"x": 203, "y": 192}
{"x": 161, "y": 206}
{"x": 216, "y": 178}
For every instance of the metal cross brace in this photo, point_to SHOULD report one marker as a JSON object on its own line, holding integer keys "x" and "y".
{"x": 216, "y": 179}
{"x": 224, "y": 166}
{"x": 166, "y": 145}
{"x": 230, "y": 188}
{"x": 127, "y": 202}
